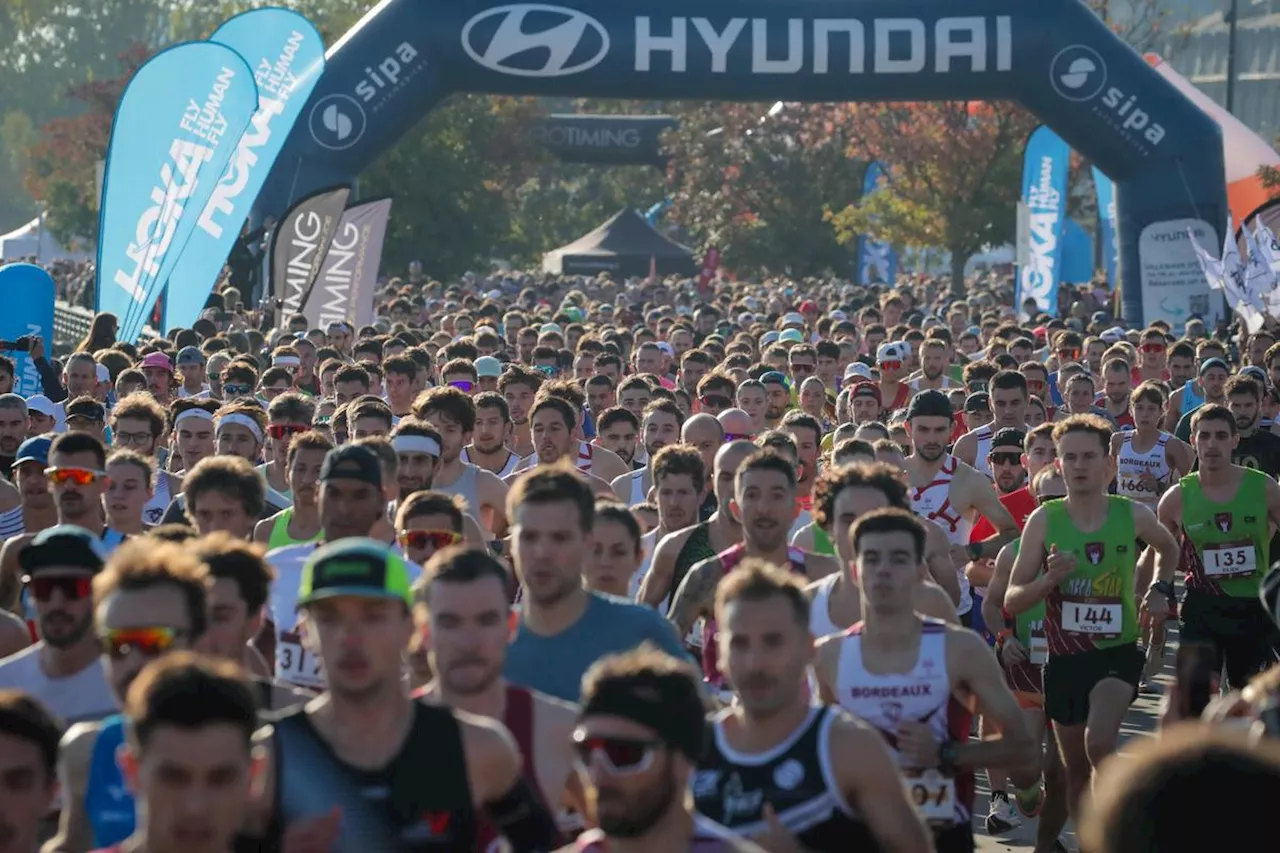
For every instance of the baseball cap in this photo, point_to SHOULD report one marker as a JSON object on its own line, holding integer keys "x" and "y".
{"x": 792, "y": 319}
{"x": 42, "y": 404}
{"x": 791, "y": 336}
{"x": 157, "y": 359}
{"x": 360, "y": 567}
{"x": 190, "y": 355}
{"x": 488, "y": 366}
{"x": 549, "y": 327}
{"x": 858, "y": 369}
{"x": 34, "y": 449}
{"x": 808, "y": 306}
{"x": 87, "y": 408}
{"x": 1210, "y": 363}
{"x": 979, "y": 402}
{"x": 65, "y": 545}
{"x": 893, "y": 351}
{"x": 1008, "y": 437}
{"x": 774, "y": 377}
{"x": 867, "y": 389}
{"x": 838, "y": 315}
{"x": 102, "y": 373}
{"x": 1113, "y": 335}
{"x": 352, "y": 462}
{"x": 768, "y": 338}
{"x": 929, "y": 404}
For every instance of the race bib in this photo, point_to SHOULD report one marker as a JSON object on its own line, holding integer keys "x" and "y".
{"x": 1230, "y": 560}
{"x": 296, "y": 664}
{"x": 933, "y": 794}
{"x": 1100, "y": 619}
{"x": 1038, "y": 653}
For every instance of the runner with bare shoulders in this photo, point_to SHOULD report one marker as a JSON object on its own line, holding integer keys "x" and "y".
{"x": 462, "y": 613}
{"x": 639, "y": 736}
{"x": 764, "y": 498}
{"x": 951, "y": 494}
{"x": 918, "y": 681}
{"x": 1007, "y": 399}
{"x": 552, "y": 424}
{"x": 842, "y": 496}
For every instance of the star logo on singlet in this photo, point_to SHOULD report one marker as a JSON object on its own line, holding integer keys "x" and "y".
{"x": 1223, "y": 521}
{"x": 1094, "y": 551}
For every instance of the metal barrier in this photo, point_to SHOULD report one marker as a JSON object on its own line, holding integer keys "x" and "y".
{"x": 70, "y": 323}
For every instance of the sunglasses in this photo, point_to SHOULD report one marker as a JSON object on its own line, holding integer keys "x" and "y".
{"x": 236, "y": 390}
{"x": 463, "y": 385}
{"x": 149, "y": 642}
{"x": 279, "y": 431}
{"x": 890, "y": 365}
{"x": 1069, "y": 353}
{"x": 1036, "y": 384}
{"x": 621, "y": 756}
{"x": 72, "y": 587}
{"x": 77, "y": 476}
{"x": 438, "y": 539}
{"x": 1006, "y": 458}
{"x": 715, "y": 401}
{"x": 738, "y": 436}
{"x": 549, "y": 369}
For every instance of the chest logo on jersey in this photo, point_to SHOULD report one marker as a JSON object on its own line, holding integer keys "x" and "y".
{"x": 1223, "y": 521}
{"x": 739, "y": 802}
{"x": 705, "y": 783}
{"x": 892, "y": 711}
{"x": 1094, "y": 552}
{"x": 788, "y": 775}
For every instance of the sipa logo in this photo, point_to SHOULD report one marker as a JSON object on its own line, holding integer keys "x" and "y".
{"x": 1223, "y": 521}
{"x": 535, "y": 40}
{"x": 1079, "y": 74}
{"x": 1094, "y": 552}
{"x": 337, "y": 122}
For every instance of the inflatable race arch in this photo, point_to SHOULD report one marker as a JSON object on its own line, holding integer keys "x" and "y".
{"x": 1055, "y": 57}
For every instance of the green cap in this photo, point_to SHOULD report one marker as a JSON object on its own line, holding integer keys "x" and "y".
{"x": 360, "y": 567}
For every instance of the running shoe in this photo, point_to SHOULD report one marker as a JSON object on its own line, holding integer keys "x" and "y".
{"x": 1030, "y": 801}
{"x": 1003, "y": 816}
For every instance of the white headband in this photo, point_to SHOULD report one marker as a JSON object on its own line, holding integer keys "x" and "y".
{"x": 286, "y": 361}
{"x": 198, "y": 414}
{"x": 242, "y": 420}
{"x": 416, "y": 444}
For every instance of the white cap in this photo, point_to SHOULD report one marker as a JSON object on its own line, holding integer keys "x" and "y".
{"x": 42, "y": 404}
{"x": 1114, "y": 335}
{"x": 893, "y": 351}
{"x": 793, "y": 319}
{"x": 488, "y": 367}
{"x": 839, "y": 316}
{"x": 104, "y": 375}
{"x": 667, "y": 348}
{"x": 857, "y": 369}
{"x": 768, "y": 338}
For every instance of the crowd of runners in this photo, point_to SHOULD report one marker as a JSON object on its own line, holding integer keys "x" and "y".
{"x": 632, "y": 566}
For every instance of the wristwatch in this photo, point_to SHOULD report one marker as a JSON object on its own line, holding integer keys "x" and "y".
{"x": 1164, "y": 588}
{"x": 947, "y": 757}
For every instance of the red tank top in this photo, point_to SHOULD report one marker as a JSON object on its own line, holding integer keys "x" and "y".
{"x": 518, "y": 718}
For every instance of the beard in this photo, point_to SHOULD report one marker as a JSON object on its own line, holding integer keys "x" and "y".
{"x": 73, "y": 634}
{"x": 647, "y": 807}
{"x": 930, "y": 452}
{"x": 488, "y": 449}
{"x": 475, "y": 685}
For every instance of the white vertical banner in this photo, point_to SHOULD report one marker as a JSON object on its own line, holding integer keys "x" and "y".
{"x": 344, "y": 289}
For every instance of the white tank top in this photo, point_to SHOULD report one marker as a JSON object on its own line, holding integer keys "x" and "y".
{"x": 154, "y": 509}
{"x": 820, "y": 622}
{"x": 585, "y": 454}
{"x": 82, "y": 697}
{"x": 1131, "y": 465}
{"x": 509, "y": 467}
{"x": 933, "y": 502}
{"x": 983, "y": 434}
{"x": 639, "y": 491}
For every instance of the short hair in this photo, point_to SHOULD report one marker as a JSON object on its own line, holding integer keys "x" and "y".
{"x": 676, "y": 459}
{"x": 1150, "y": 392}
{"x": 755, "y": 579}
{"x": 1116, "y": 365}
{"x": 144, "y": 562}
{"x": 228, "y": 475}
{"x": 25, "y": 717}
{"x": 613, "y": 415}
{"x": 675, "y": 679}
{"x": 549, "y": 484}
{"x": 776, "y": 439}
{"x": 459, "y": 564}
{"x": 493, "y": 400}
{"x": 852, "y": 447}
{"x": 889, "y": 520}
{"x": 1009, "y": 380}
{"x": 173, "y": 532}
{"x": 378, "y": 411}
{"x": 1241, "y": 385}
{"x": 142, "y": 407}
{"x": 1034, "y": 434}
{"x": 459, "y": 365}
{"x": 353, "y": 373}
{"x": 611, "y": 510}
{"x": 565, "y": 389}
{"x": 766, "y": 459}
{"x": 666, "y": 407}
{"x": 565, "y": 409}
{"x": 190, "y": 691}
{"x": 859, "y": 475}
{"x": 240, "y": 561}
{"x": 1213, "y": 412}
{"x": 80, "y": 442}
{"x": 309, "y": 440}
{"x": 428, "y": 502}
{"x": 450, "y": 402}
{"x": 400, "y": 365}
{"x": 1091, "y": 424}
{"x": 130, "y": 457}
{"x": 518, "y": 374}
{"x": 797, "y": 418}
{"x": 292, "y": 407}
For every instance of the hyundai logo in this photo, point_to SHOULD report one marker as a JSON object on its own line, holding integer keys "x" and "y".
{"x": 535, "y": 40}
{"x": 1078, "y": 73}
{"x": 337, "y": 122}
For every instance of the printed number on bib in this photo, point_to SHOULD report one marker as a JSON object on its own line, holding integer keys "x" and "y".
{"x": 1099, "y": 619}
{"x": 1230, "y": 560}
{"x": 934, "y": 796}
{"x": 297, "y": 664}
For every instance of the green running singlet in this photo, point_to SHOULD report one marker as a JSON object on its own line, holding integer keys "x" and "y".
{"x": 1225, "y": 543}
{"x": 822, "y": 543}
{"x": 280, "y": 537}
{"x": 1093, "y": 608}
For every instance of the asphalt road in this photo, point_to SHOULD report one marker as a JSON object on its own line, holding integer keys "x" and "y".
{"x": 1140, "y": 722}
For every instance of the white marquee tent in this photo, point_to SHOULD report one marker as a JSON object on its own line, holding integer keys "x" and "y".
{"x": 32, "y": 240}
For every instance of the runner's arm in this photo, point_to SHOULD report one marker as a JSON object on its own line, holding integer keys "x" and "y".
{"x": 933, "y": 601}
{"x": 1273, "y": 502}
{"x": 1169, "y": 511}
{"x": 656, "y": 583}
{"x": 965, "y": 449}
{"x": 1025, "y": 588}
{"x": 980, "y": 673}
{"x": 1149, "y": 529}
{"x": 694, "y": 597}
{"x": 1180, "y": 457}
{"x": 262, "y": 530}
{"x": 993, "y": 601}
{"x": 937, "y": 558}
{"x": 868, "y": 777}
{"x": 492, "y": 493}
{"x": 500, "y": 789}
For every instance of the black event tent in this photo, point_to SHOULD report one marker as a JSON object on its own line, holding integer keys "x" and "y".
{"x": 623, "y": 247}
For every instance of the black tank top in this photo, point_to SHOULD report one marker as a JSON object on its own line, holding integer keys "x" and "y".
{"x": 796, "y": 777}
{"x": 696, "y": 549}
{"x": 420, "y": 802}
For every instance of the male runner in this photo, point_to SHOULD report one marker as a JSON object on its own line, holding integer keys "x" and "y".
{"x": 591, "y": 458}
{"x": 29, "y": 735}
{"x": 552, "y": 420}
{"x": 39, "y": 511}
{"x": 1221, "y": 514}
{"x": 1208, "y": 388}
{"x": 827, "y": 778}
{"x": 488, "y": 448}
{"x": 189, "y": 756}
{"x": 843, "y": 496}
{"x": 704, "y": 433}
{"x": 680, "y": 483}
{"x": 299, "y": 523}
{"x": 224, "y": 493}
{"x": 461, "y": 609}
{"x": 1007, "y": 398}
{"x": 518, "y": 385}
{"x": 1117, "y": 384}
{"x": 764, "y": 497}
{"x": 617, "y": 430}
{"x": 660, "y": 428}
{"x": 1148, "y": 460}
{"x": 917, "y": 681}
{"x": 1256, "y": 447}
{"x": 1086, "y": 544}
{"x": 453, "y": 414}
{"x": 338, "y": 763}
{"x": 640, "y": 734}
{"x": 949, "y": 493}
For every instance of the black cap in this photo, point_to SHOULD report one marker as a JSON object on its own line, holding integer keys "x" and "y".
{"x": 87, "y": 407}
{"x": 352, "y": 462}
{"x": 1009, "y": 437}
{"x": 979, "y": 402}
{"x": 929, "y": 404}
{"x": 64, "y": 546}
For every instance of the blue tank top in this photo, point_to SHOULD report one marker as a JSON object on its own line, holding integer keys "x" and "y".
{"x": 1190, "y": 398}
{"x": 108, "y": 802}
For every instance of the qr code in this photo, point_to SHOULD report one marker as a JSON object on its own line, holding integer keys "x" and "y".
{"x": 1198, "y": 304}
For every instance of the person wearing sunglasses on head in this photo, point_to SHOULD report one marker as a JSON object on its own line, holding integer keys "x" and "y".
{"x": 464, "y": 619}
{"x": 150, "y": 598}
{"x": 640, "y": 733}
{"x": 299, "y": 523}
{"x": 288, "y": 415}
{"x": 63, "y": 669}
